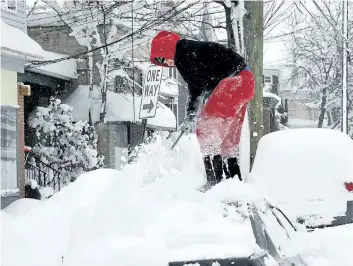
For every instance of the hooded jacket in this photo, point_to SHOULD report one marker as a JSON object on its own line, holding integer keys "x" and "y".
{"x": 201, "y": 64}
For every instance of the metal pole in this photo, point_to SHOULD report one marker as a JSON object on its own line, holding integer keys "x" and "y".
{"x": 144, "y": 126}
{"x": 345, "y": 68}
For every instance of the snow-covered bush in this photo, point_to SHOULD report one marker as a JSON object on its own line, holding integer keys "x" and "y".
{"x": 66, "y": 146}
{"x": 281, "y": 118}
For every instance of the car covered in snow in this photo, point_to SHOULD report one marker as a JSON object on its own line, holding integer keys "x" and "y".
{"x": 308, "y": 173}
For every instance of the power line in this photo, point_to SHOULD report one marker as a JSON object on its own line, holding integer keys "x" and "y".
{"x": 96, "y": 13}
{"x": 73, "y": 19}
{"x": 142, "y": 29}
{"x": 111, "y": 16}
{"x": 286, "y": 34}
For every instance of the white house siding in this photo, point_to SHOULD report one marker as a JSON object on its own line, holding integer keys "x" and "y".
{"x": 15, "y": 18}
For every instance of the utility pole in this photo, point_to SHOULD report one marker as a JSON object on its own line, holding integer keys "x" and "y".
{"x": 253, "y": 27}
{"x": 344, "y": 126}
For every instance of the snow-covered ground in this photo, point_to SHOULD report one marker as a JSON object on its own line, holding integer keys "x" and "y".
{"x": 149, "y": 213}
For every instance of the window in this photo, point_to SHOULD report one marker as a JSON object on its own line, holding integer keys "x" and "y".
{"x": 44, "y": 36}
{"x": 8, "y": 147}
{"x": 268, "y": 79}
{"x": 173, "y": 72}
{"x": 10, "y": 5}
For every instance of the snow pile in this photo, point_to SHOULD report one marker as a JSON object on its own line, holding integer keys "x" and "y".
{"x": 46, "y": 192}
{"x": 148, "y": 213}
{"x": 32, "y": 183}
{"x": 15, "y": 40}
{"x": 119, "y": 108}
{"x": 305, "y": 170}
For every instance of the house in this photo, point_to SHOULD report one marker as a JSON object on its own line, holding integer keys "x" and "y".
{"x": 272, "y": 76}
{"x": 122, "y": 129}
{"x": 16, "y": 49}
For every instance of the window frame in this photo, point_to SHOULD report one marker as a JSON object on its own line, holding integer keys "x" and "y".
{"x": 172, "y": 73}
{"x": 269, "y": 78}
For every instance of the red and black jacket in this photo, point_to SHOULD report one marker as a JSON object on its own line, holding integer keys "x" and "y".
{"x": 201, "y": 64}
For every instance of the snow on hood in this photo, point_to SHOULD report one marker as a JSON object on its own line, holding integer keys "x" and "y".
{"x": 306, "y": 169}
{"x": 119, "y": 108}
{"x": 16, "y": 41}
{"x": 148, "y": 213}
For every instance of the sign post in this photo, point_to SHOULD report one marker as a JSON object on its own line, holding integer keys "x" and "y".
{"x": 150, "y": 93}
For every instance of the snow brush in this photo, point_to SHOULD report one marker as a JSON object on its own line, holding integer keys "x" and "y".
{"x": 178, "y": 138}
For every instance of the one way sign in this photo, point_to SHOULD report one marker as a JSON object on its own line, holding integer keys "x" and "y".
{"x": 150, "y": 92}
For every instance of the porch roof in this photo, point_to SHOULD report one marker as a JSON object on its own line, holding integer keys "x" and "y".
{"x": 66, "y": 69}
{"x": 15, "y": 42}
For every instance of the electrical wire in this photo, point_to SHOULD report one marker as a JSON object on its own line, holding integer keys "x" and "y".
{"x": 145, "y": 27}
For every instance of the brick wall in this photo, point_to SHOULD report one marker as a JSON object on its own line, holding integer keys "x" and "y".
{"x": 111, "y": 135}
{"x": 21, "y": 173}
{"x": 57, "y": 39}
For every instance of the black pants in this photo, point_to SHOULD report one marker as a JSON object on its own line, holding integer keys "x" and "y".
{"x": 215, "y": 167}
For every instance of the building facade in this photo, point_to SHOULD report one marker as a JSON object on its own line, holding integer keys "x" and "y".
{"x": 122, "y": 129}
{"x": 16, "y": 49}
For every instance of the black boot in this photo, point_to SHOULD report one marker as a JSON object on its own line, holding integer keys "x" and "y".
{"x": 214, "y": 171}
{"x": 208, "y": 167}
{"x": 231, "y": 168}
{"x": 217, "y": 167}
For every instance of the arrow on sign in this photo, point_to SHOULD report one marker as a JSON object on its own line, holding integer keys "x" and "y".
{"x": 148, "y": 106}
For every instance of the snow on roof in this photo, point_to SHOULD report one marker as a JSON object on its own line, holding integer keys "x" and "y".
{"x": 271, "y": 95}
{"x": 119, "y": 108}
{"x": 169, "y": 87}
{"x": 15, "y": 41}
{"x": 66, "y": 69}
{"x": 44, "y": 16}
{"x": 143, "y": 66}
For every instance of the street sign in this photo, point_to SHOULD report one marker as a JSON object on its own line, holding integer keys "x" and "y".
{"x": 150, "y": 92}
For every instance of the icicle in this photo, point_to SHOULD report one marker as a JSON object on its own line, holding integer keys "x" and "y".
{"x": 237, "y": 14}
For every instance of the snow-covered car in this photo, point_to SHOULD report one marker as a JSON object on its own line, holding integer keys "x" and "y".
{"x": 308, "y": 173}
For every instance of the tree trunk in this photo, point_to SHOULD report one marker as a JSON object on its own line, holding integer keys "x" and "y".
{"x": 253, "y": 31}
{"x": 229, "y": 26}
{"x": 329, "y": 118}
{"x": 323, "y": 108}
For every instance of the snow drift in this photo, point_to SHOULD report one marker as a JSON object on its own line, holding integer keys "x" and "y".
{"x": 149, "y": 212}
